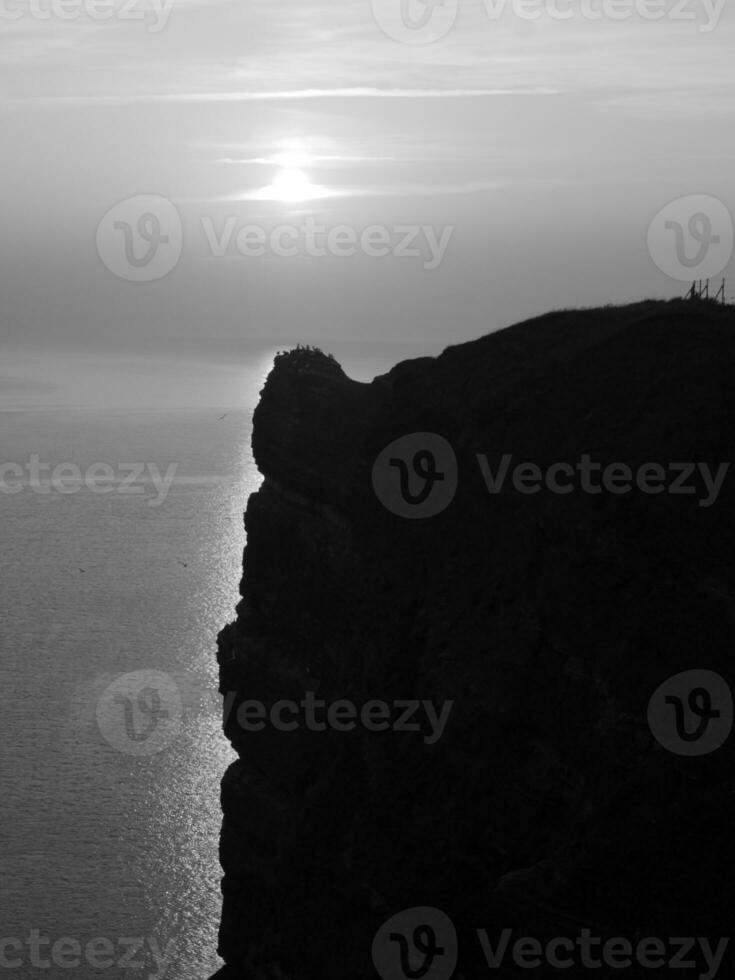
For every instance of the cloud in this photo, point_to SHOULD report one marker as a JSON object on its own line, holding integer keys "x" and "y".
{"x": 286, "y": 51}
{"x": 289, "y": 95}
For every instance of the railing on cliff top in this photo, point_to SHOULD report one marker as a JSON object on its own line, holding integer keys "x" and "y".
{"x": 701, "y": 290}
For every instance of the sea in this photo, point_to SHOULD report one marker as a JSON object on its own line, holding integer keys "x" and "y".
{"x": 114, "y": 585}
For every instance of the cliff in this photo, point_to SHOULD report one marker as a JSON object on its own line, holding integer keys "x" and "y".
{"x": 545, "y": 619}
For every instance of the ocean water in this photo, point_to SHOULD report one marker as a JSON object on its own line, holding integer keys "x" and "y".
{"x": 111, "y": 751}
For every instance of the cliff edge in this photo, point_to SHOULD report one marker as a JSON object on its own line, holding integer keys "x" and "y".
{"x": 536, "y": 787}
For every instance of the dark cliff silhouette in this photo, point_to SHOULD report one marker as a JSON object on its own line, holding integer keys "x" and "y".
{"x": 549, "y": 619}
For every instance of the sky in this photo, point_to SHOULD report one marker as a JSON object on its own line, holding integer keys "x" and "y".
{"x": 192, "y": 180}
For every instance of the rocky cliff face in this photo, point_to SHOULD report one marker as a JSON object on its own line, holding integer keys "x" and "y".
{"x": 547, "y": 619}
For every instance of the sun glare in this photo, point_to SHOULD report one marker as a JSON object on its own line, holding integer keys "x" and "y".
{"x": 292, "y": 184}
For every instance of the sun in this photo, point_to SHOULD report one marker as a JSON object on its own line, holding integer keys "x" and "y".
{"x": 291, "y": 184}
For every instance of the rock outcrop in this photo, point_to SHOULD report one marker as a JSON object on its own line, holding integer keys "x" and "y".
{"x": 548, "y": 619}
